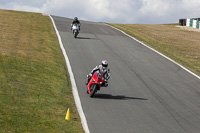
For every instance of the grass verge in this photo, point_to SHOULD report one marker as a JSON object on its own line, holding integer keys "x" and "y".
{"x": 35, "y": 88}
{"x": 181, "y": 45}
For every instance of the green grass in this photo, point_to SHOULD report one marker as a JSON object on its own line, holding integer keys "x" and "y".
{"x": 35, "y": 88}
{"x": 178, "y": 44}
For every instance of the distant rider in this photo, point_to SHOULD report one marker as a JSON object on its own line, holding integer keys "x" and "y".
{"x": 76, "y": 21}
{"x": 103, "y": 69}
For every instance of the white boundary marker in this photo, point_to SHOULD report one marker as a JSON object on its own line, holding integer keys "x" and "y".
{"x": 156, "y": 52}
{"x": 74, "y": 88}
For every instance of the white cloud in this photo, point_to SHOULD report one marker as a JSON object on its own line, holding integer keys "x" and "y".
{"x": 155, "y": 7}
{"x": 116, "y": 11}
{"x": 22, "y": 5}
{"x": 191, "y": 8}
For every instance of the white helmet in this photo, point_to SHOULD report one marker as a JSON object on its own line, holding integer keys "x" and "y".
{"x": 104, "y": 63}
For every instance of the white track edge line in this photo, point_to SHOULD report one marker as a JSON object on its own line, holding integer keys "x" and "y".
{"x": 157, "y": 52}
{"x": 74, "y": 88}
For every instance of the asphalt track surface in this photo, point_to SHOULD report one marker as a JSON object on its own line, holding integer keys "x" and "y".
{"x": 146, "y": 94}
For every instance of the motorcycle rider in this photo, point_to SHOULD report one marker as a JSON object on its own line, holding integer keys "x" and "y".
{"x": 103, "y": 69}
{"x": 76, "y": 21}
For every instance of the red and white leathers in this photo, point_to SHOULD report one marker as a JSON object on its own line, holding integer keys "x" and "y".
{"x": 103, "y": 70}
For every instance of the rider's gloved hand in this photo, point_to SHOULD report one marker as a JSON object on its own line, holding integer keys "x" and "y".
{"x": 88, "y": 78}
{"x": 89, "y": 75}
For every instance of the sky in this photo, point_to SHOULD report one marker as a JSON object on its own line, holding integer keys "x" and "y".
{"x": 112, "y": 11}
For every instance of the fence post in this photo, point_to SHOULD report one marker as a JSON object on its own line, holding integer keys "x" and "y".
{"x": 191, "y": 22}
{"x": 197, "y": 24}
{"x": 194, "y": 24}
{"x": 188, "y": 22}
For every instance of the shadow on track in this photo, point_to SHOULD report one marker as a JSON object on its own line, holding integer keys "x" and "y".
{"x": 83, "y": 38}
{"x": 118, "y": 97}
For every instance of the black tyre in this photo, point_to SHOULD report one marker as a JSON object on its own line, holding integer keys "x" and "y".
{"x": 93, "y": 90}
{"x": 76, "y": 34}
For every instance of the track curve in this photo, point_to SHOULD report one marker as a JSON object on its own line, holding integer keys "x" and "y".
{"x": 146, "y": 92}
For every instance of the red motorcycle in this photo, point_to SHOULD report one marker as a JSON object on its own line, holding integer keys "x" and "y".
{"x": 95, "y": 83}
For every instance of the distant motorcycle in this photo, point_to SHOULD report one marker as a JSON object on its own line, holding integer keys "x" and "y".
{"x": 75, "y": 30}
{"x": 95, "y": 83}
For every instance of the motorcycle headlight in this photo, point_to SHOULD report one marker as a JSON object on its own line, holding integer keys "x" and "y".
{"x": 94, "y": 80}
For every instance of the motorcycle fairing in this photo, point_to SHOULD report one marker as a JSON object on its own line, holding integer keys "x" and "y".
{"x": 97, "y": 78}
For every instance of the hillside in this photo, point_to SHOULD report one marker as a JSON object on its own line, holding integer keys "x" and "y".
{"x": 35, "y": 89}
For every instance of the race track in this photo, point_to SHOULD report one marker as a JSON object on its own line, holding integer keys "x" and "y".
{"x": 146, "y": 94}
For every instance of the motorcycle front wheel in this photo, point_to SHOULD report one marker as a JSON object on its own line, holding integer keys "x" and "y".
{"x": 93, "y": 90}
